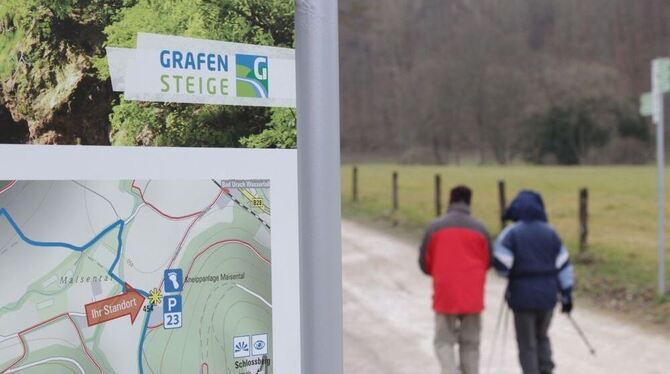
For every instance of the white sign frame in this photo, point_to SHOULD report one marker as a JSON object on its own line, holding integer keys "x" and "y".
{"x": 40, "y": 162}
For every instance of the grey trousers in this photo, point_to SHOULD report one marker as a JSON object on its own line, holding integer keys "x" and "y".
{"x": 534, "y": 346}
{"x": 462, "y": 330}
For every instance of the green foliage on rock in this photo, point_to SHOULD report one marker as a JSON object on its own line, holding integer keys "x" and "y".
{"x": 245, "y": 21}
{"x": 54, "y": 74}
{"x": 46, "y": 75}
{"x": 182, "y": 125}
{"x": 281, "y": 132}
{"x": 265, "y": 22}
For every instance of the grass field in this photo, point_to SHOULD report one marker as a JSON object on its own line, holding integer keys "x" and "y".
{"x": 619, "y": 270}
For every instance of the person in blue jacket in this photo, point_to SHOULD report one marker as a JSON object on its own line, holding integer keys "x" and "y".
{"x": 532, "y": 256}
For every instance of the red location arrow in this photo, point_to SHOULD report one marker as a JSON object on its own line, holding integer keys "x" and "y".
{"x": 128, "y": 303}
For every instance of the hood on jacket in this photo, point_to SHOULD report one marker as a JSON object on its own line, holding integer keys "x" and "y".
{"x": 527, "y": 206}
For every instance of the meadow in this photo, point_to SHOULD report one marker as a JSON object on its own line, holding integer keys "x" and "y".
{"x": 618, "y": 271}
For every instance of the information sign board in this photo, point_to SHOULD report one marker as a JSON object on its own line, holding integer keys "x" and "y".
{"x": 137, "y": 233}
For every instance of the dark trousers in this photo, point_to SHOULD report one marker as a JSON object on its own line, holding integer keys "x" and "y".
{"x": 531, "y": 336}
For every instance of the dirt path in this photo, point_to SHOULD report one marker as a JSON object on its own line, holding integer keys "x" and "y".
{"x": 388, "y": 323}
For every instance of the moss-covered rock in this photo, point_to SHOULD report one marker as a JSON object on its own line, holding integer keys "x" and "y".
{"x": 54, "y": 77}
{"x": 51, "y": 84}
{"x": 11, "y": 131}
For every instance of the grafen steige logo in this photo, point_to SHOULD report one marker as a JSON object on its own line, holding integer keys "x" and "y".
{"x": 252, "y": 76}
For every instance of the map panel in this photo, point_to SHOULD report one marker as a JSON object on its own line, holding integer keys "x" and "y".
{"x": 131, "y": 276}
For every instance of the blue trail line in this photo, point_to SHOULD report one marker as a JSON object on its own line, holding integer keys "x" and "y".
{"x": 121, "y": 225}
{"x": 145, "y": 327}
{"x": 4, "y": 212}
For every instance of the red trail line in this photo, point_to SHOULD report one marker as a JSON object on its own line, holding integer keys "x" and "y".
{"x": 81, "y": 339}
{"x": 52, "y": 319}
{"x": 188, "y": 230}
{"x": 168, "y": 216}
{"x": 7, "y": 187}
{"x": 225, "y": 242}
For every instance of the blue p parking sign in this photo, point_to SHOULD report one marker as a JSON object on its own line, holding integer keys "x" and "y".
{"x": 172, "y": 312}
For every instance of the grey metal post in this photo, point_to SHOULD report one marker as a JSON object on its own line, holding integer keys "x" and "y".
{"x": 659, "y": 119}
{"x": 317, "y": 65}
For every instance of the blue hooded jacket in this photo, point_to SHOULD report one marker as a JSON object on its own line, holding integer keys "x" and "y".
{"x": 531, "y": 254}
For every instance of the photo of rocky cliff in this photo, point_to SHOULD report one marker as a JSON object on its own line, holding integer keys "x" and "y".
{"x": 55, "y": 86}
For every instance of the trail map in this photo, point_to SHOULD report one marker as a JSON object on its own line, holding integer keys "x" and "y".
{"x": 135, "y": 277}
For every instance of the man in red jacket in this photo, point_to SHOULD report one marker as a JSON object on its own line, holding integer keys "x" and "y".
{"x": 456, "y": 252}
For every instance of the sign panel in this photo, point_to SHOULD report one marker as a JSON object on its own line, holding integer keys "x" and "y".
{"x": 661, "y": 75}
{"x": 136, "y": 235}
{"x": 646, "y": 104}
{"x": 80, "y": 241}
{"x": 187, "y": 70}
{"x": 140, "y": 274}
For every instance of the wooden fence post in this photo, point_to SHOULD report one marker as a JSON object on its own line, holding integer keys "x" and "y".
{"x": 438, "y": 195}
{"x": 354, "y": 184}
{"x": 394, "y": 185}
{"x": 583, "y": 219}
{"x": 502, "y": 199}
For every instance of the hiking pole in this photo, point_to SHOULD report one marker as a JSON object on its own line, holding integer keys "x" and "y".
{"x": 496, "y": 332}
{"x": 504, "y": 335}
{"x": 581, "y": 334}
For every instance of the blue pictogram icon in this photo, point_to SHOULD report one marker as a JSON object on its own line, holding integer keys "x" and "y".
{"x": 173, "y": 280}
{"x": 259, "y": 345}
{"x": 241, "y": 346}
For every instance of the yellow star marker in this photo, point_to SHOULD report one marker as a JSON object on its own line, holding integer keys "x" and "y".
{"x": 155, "y": 296}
